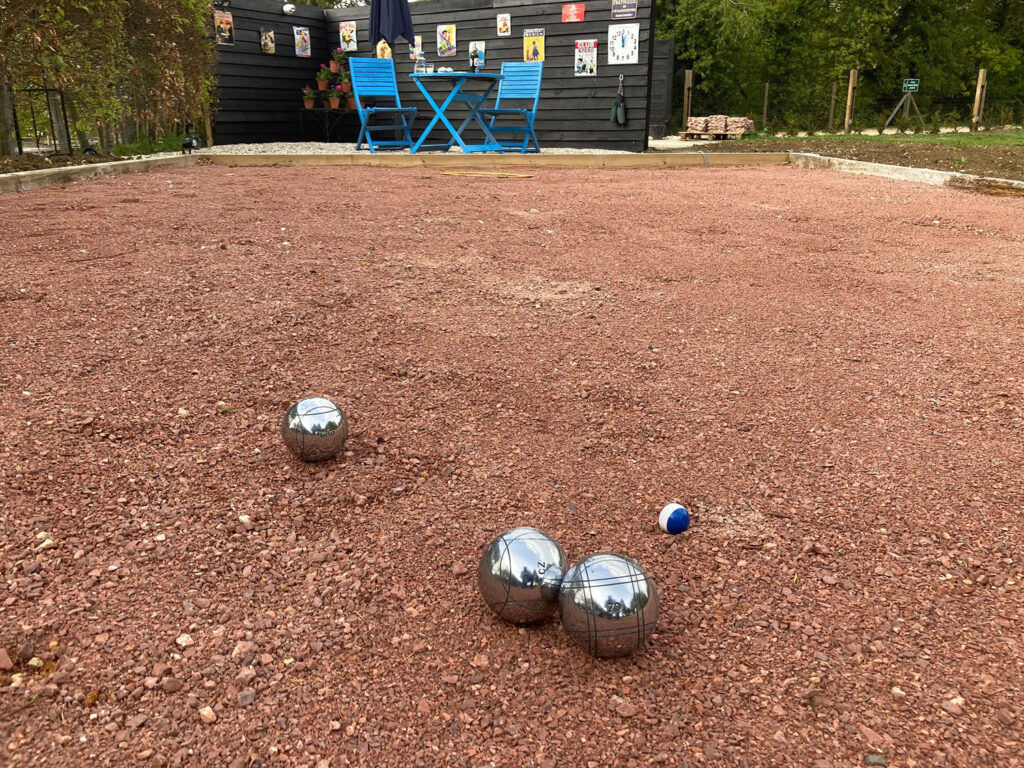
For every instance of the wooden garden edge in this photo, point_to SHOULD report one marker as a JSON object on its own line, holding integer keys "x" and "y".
{"x": 405, "y": 160}
{"x": 22, "y": 181}
{"x": 989, "y": 185}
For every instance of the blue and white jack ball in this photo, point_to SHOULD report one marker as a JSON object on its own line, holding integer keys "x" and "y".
{"x": 674, "y": 518}
{"x": 314, "y": 429}
{"x": 609, "y": 604}
{"x": 520, "y": 574}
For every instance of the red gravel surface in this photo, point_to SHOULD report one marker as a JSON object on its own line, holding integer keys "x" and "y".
{"x": 826, "y": 368}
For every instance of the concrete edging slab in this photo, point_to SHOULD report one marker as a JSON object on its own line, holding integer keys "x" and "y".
{"x": 901, "y": 173}
{"x": 631, "y": 160}
{"x": 22, "y": 181}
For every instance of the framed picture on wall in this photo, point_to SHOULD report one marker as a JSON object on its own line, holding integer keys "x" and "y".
{"x": 303, "y": 47}
{"x": 504, "y": 25}
{"x": 224, "y": 27}
{"x": 533, "y": 45}
{"x": 347, "y": 35}
{"x": 446, "y": 40}
{"x": 267, "y": 44}
{"x": 585, "y": 64}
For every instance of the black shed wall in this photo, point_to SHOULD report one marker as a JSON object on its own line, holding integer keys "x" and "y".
{"x": 260, "y": 95}
{"x": 574, "y": 111}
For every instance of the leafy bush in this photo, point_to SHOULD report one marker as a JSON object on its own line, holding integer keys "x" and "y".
{"x": 169, "y": 142}
{"x": 903, "y": 124}
{"x": 935, "y": 125}
{"x": 880, "y": 119}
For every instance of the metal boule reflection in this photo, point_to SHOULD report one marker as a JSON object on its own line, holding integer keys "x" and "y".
{"x": 609, "y": 605}
{"x": 520, "y": 574}
{"x": 314, "y": 429}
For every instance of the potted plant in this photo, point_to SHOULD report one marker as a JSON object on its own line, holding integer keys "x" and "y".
{"x": 345, "y": 80}
{"x": 350, "y": 102}
{"x": 323, "y": 77}
{"x": 335, "y": 97}
{"x": 308, "y": 97}
{"x": 338, "y": 59}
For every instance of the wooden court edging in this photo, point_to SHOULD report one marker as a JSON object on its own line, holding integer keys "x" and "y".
{"x": 625, "y": 160}
{"x": 985, "y": 184}
{"x": 22, "y": 181}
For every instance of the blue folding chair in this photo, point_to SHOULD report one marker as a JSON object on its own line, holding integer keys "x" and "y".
{"x": 375, "y": 79}
{"x": 521, "y": 85}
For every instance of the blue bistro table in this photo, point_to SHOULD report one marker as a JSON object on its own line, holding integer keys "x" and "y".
{"x": 473, "y": 102}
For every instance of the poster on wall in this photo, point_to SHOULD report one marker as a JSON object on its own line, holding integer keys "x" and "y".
{"x": 623, "y": 9}
{"x": 477, "y": 54}
{"x": 347, "y": 35}
{"x": 504, "y": 25}
{"x": 533, "y": 45}
{"x": 573, "y": 12}
{"x": 302, "y": 45}
{"x": 586, "y": 58}
{"x": 267, "y": 44}
{"x": 446, "y": 40}
{"x": 224, "y": 26}
{"x": 623, "y": 43}
{"x": 416, "y": 47}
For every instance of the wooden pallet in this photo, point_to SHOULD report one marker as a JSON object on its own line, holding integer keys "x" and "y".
{"x": 687, "y": 135}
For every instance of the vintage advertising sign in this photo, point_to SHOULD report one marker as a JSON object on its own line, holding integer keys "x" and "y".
{"x": 573, "y": 12}
{"x": 224, "y": 26}
{"x": 347, "y": 35}
{"x": 302, "y": 44}
{"x": 586, "y": 59}
{"x": 504, "y": 25}
{"x": 623, "y": 9}
{"x": 533, "y": 45}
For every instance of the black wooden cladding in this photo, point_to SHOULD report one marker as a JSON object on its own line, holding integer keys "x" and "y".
{"x": 260, "y": 94}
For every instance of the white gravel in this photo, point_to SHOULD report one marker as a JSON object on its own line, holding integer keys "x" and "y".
{"x": 337, "y": 148}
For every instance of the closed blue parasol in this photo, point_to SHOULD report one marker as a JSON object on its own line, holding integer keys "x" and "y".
{"x": 390, "y": 19}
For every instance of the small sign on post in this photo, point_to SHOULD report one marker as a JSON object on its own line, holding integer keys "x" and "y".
{"x": 911, "y": 84}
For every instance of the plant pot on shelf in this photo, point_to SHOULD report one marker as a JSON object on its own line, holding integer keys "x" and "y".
{"x": 309, "y": 103}
{"x": 321, "y": 85}
{"x": 346, "y": 87}
{"x": 335, "y": 66}
{"x": 350, "y": 104}
{"x": 335, "y": 102}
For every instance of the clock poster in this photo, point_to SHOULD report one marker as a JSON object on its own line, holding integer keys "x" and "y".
{"x": 533, "y": 45}
{"x": 623, "y": 43}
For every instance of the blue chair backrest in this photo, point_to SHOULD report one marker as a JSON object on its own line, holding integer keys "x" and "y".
{"x": 373, "y": 78}
{"x": 522, "y": 82}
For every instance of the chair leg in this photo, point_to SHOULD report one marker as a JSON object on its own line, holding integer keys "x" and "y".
{"x": 362, "y": 133}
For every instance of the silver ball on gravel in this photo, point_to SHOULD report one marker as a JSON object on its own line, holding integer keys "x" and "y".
{"x": 520, "y": 574}
{"x": 609, "y": 604}
{"x": 314, "y": 429}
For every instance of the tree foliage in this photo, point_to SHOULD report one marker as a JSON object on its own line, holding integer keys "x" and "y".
{"x": 144, "y": 64}
{"x": 801, "y": 47}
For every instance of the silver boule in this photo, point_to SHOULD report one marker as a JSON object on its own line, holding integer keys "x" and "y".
{"x": 609, "y": 605}
{"x": 520, "y": 574}
{"x": 314, "y": 429}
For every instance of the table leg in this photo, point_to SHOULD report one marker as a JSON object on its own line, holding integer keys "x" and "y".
{"x": 438, "y": 115}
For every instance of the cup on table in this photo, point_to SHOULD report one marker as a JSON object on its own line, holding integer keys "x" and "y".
{"x": 430, "y": 66}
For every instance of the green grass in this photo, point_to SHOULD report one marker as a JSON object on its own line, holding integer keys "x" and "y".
{"x": 979, "y": 139}
{"x": 170, "y": 142}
